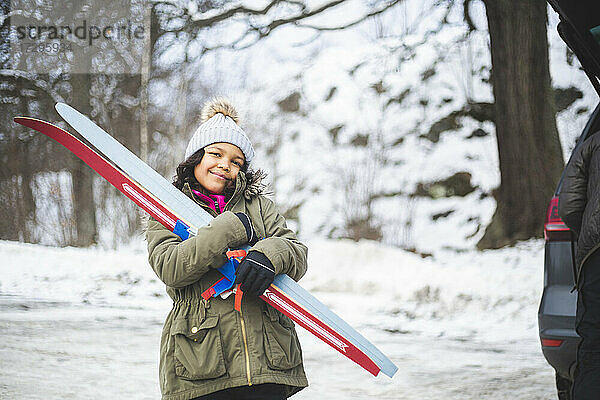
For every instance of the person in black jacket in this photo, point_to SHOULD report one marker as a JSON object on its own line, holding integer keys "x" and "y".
{"x": 579, "y": 208}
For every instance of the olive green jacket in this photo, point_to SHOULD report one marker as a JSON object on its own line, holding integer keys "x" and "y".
{"x": 207, "y": 346}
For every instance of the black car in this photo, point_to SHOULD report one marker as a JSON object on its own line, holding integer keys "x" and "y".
{"x": 579, "y": 27}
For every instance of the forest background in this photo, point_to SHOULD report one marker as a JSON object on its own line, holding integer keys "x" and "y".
{"x": 376, "y": 120}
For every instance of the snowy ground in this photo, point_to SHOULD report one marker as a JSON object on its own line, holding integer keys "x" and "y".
{"x": 79, "y": 324}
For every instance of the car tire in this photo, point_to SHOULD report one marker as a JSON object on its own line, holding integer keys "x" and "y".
{"x": 563, "y": 387}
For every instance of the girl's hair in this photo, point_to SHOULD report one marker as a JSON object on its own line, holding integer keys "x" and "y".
{"x": 185, "y": 173}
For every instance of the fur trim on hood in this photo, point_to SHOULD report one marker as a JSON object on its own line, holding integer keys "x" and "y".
{"x": 255, "y": 185}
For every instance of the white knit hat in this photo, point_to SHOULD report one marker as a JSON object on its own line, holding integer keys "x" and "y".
{"x": 220, "y": 125}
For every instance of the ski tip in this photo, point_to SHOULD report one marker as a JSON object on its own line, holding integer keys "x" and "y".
{"x": 33, "y": 123}
{"x": 22, "y": 120}
{"x": 61, "y": 106}
{"x": 68, "y": 112}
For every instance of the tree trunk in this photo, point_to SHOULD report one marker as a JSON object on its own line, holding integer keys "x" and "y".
{"x": 126, "y": 128}
{"x": 26, "y": 206}
{"x": 84, "y": 205}
{"x": 17, "y": 171}
{"x": 529, "y": 149}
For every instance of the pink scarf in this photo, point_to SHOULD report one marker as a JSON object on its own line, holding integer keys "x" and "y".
{"x": 214, "y": 201}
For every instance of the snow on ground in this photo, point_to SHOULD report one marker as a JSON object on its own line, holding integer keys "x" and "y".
{"x": 408, "y": 291}
{"x": 455, "y": 324}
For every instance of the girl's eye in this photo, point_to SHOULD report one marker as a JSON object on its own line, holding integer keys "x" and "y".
{"x": 238, "y": 164}
{"x": 215, "y": 154}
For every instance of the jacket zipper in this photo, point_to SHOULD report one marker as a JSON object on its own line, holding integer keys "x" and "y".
{"x": 246, "y": 348}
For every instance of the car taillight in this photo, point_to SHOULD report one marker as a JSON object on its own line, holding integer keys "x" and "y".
{"x": 555, "y": 229}
{"x": 551, "y": 342}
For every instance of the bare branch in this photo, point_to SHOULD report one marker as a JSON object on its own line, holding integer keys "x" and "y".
{"x": 353, "y": 23}
{"x": 258, "y": 31}
{"x": 264, "y": 30}
{"x": 303, "y": 15}
{"x": 203, "y": 23}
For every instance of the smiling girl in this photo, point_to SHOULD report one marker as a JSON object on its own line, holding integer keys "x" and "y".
{"x": 208, "y": 349}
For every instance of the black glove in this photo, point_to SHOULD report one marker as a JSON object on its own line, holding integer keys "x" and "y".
{"x": 250, "y": 232}
{"x": 255, "y": 273}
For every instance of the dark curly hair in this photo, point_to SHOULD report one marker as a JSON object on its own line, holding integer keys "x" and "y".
{"x": 185, "y": 174}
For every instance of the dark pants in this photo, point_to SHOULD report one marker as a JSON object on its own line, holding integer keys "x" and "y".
{"x": 587, "y": 324}
{"x": 267, "y": 391}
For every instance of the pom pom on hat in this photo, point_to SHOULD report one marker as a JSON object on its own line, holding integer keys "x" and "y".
{"x": 219, "y": 105}
{"x": 220, "y": 125}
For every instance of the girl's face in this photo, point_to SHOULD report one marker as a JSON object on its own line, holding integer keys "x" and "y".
{"x": 219, "y": 167}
